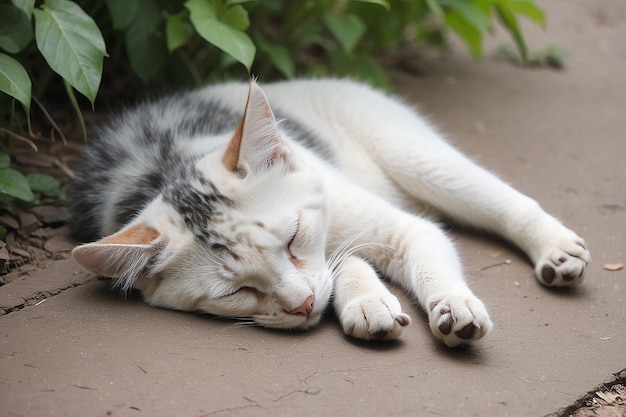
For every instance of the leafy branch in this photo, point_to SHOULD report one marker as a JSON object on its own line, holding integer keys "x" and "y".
{"x": 189, "y": 42}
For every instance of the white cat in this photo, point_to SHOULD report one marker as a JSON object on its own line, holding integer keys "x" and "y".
{"x": 206, "y": 209}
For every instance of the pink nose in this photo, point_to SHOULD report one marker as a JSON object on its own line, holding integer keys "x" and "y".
{"x": 305, "y": 309}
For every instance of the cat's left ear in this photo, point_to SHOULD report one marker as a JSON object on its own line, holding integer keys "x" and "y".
{"x": 125, "y": 256}
{"x": 256, "y": 145}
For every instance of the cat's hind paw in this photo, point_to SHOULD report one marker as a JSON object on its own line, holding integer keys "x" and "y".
{"x": 374, "y": 316}
{"x": 458, "y": 319}
{"x": 564, "y": 264}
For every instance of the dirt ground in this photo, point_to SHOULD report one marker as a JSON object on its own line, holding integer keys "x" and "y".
{"x": 70, "y": 346}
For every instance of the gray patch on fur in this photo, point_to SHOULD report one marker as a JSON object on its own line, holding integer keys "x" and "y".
{"x": 305, "y": 137}
{"x": 142, "y": 152}
{"x": 196, "y": 199}
{"x": 101, "y": 174}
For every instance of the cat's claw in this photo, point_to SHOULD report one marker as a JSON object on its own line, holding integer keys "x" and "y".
{"x": 564, "y": 264}
{"x": 374, "y": 317}
{"x": 458, "y": 319}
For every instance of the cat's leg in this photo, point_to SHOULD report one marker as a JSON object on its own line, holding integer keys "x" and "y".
{"x": 425, "y": 261}
{"x": 417, "y": 255}
{"x": 417, "y": 159}
{"x": 365, "y": 307}
{"x": 472, "y": 196}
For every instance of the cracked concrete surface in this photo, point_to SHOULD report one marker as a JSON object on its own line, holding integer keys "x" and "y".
{"x": 40, "y": 285}
{"x": 558, "y": 136}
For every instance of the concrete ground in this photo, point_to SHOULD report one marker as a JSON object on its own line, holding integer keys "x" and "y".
{"x": 558, "y": 136}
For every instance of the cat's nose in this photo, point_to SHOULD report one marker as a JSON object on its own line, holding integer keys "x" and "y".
{"x": 304, "y": 309}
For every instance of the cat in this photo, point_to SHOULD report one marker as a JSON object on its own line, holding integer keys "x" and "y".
{"x": 206, "y": 201}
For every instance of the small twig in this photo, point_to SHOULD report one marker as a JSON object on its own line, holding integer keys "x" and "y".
{"x": 30, "y": 128}
{"x": 20, "y": 138}
{"x": 506, "y": 262}
{"x": 63, "y": 167}
{"x": 50, "y": 119}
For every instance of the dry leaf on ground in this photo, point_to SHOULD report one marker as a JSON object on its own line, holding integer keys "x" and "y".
{"x": 614, "y": 267}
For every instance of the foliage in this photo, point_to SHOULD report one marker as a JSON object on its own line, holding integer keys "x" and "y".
{"x": 551, "y": 56}
{"x": 191, "y": 41}
{"x": 21, "y": 191}
{"x": 14, "y": 185}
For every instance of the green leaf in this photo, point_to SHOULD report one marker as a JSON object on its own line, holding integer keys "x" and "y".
{"x": 553, "y": 55}
{"x": 508, "y": 19}
{"x": 309, "y": 34}
{"x": 382, "y": 3}
{"x": 527, "y": 8}
{"x": 340, "y": 63}
{"x": 26, "y": 6}
{"x": 5, "y": 160}
{"x": 230, "y": 40}
{"x": 347, "y": 29}
{"x": 470, "y": 13}
{"x": 178, "y": 32}
{"x": 279, "y": 56}
{"x": 233, "y": 2}
{"x": 14, "y": 80}
{"x": 123, "y": 12}
{"x": 236, "y": 17}
{"x": 42, "y": 182}
{"x": 71, "y": 44}
{"x": 16, "y": 31}
{"x": 436, "y": 8}
{"x": 14, "y": 184}
{"x": 146, "y": 50}
{"x": 466, "y": 31}
{"x": 371, "y": 71}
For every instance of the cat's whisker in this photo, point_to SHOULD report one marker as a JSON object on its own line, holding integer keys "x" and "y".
{"x": 341, "y": 248}
{"x": 340, "y": 259}
{"x": 339, "y": 256}
{"x": 345, "y": 247}
{"x": 246, "y": 322}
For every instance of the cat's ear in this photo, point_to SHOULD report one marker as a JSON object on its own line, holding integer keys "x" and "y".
{"x": 256, "y": 144}
{"x": 126, "y": 255}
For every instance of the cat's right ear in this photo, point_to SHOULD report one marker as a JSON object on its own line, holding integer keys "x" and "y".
{"x": 125, "y": 256}
{"x": 256, "y": 144}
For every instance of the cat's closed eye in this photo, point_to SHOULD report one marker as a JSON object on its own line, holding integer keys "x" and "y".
{"x": 239, "y": 290}
{"x": 290, "y": 244}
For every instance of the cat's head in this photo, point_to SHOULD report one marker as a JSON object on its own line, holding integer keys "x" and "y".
{"x": 238, "y": 234}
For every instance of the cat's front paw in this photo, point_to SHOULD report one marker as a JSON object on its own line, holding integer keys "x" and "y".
{"x": 563, "y": 263}
{"x": 374, "y": 316}
{"x": 458, "y": 319}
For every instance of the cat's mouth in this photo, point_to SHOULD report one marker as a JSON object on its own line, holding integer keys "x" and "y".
{"x": 304, "y": 317}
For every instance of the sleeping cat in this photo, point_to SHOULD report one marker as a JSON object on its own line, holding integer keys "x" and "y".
{"x": 206, "y": 201}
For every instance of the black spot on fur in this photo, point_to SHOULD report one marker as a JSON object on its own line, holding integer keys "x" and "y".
{"x": 196, "y": 199}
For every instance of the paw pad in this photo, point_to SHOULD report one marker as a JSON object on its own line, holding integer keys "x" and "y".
{"x": 374, "y": 317}
{"x": 564, "y": 261}
{"x": 467, "y": 332}
{"x": 458, "y": 319}
{"x": 547, "y": 273}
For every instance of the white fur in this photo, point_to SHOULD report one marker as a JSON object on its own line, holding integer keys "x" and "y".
{"x": 389, "y": 163}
